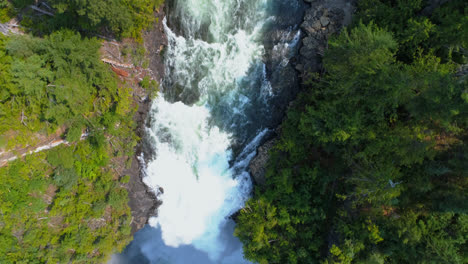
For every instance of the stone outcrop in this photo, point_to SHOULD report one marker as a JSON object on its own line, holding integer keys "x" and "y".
{"x": 142, "y": 200}
{"x": 321, "y": 20}
{"x": 258, "y": 164}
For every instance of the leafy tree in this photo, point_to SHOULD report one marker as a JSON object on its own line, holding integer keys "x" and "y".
{"x": 369, "y": 165}
{"x": 63, "y": 205}
{"x": 121, "y": 18}
{"x": 443, "y": 30}
{"x": 6, "y": 11}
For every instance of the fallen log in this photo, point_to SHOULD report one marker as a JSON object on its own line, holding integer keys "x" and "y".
{"x": 41, "y": 11}
{"x": 118, "y": 64}
{"x": 120, "y": 72}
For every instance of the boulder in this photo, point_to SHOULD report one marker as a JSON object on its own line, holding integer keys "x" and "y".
{"x": 258, "y": 165}
{"x": 322, "y": 19}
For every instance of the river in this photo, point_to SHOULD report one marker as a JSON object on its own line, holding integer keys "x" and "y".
{"x": 228, "y": 81}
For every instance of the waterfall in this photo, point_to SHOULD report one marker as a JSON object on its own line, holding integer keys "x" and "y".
{"x": 214, "y": 111}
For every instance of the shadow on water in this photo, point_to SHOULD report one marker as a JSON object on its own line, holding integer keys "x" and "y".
{"x": 149, "y": 248}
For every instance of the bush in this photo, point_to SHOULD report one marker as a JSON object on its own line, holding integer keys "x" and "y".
{"x": 74, "y": 133}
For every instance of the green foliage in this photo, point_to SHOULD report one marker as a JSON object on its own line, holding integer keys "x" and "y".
{"x": 145, "y": 83}
{"x": 138, "y": 55}
{"x": 61, "y": 156}
{"x": 444, "y": 31}
{"x": 151, "y": 86}
{"x": 452, "y": 33}
{"x": 74, "y": 132}
{"x": 345, "y": 256}
{"x": 367, "y": 50}
{"x": 20, "y": 4}
{"x": 125, "y": 179}
{"x": 6, "y": 11}
{"x": 4, "y": 3}
{"x": 55, "y": 212}
{"x": 47, "y": 82}
{"x": 371, "y": 164}
{"x": 63, "y": 205}
{"x": 122, "y": 18}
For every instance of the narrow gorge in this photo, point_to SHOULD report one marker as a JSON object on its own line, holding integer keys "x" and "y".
{"x": 229, "y": 77}
{"x": 233, "y": 131}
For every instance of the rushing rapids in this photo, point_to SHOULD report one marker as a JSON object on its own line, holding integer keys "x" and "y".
{"x": 219, "y": 101}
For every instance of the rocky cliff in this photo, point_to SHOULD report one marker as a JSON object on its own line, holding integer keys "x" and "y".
{"x": 322, "y": 19}
{"x": 142, "y": 201}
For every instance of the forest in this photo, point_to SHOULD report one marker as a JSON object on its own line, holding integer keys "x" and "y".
{"x": 67, "y": 204}
{"x": 370, "y": 167}
{"x": 372, "y": 161}
{"x": 120, "y": 18}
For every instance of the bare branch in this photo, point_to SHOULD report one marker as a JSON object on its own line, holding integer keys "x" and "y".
{"x": 41, "y": 11}
{"x": 23, "y": 117}
{"x": 115, "y": 63}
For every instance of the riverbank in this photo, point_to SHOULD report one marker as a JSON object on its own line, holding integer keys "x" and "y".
{"x": 142, "y": 200}
{"x": 228, "y": 80}
{"x": 75, "y": 92}
{"x": 132, "y": 62}
{"x": 368, "y": 156}
{"x": 322, "y": 19}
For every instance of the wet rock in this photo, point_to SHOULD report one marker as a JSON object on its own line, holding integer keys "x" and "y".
{"x": 155, "y": 41}
{"x": 299, "y": 67}
{"x": 281, "y": 41}
{"x": 285, "y": 85}
{"x": 142, "y": 200}
{"x": 258, "y": 165}
{"x": 285, "y": 15}
{"x": 432, "y": 5}
{"x": 324, "y": 21}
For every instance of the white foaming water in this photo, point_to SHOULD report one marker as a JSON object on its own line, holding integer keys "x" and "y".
{"x": 201, "y": 189}
{"x": 283, "y": 48}
{"x": 211, "y": 68}
{"x": 192, "y": 167}
{"x": 192, "y": 163}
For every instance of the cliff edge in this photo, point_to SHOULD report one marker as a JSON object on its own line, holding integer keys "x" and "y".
{"x": 321, "y": 20}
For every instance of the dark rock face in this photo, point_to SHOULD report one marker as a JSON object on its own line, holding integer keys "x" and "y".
{"x": 285, "y": 83}
{"x": 322, "y": 19}
{"x": 142, "y": 201}
{"x": 281, "y": 41}
{"x": 432, "y": 5}
{"x": 258, "y": 164}
{"x": 155, "y": 42}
